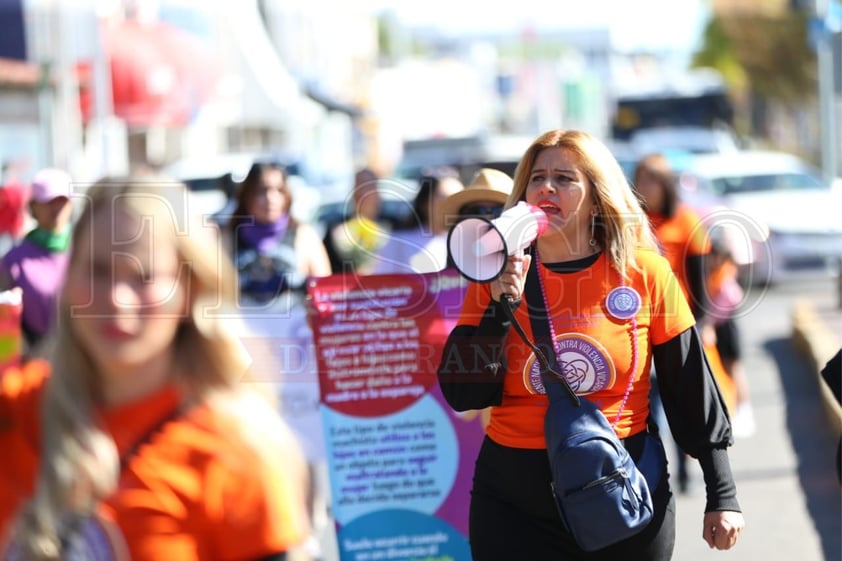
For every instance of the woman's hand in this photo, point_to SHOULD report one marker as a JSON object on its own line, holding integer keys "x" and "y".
{"x": 514, "y": 275}
{"x": 722, "y": 528}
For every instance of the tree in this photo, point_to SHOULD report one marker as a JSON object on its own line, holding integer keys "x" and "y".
{"x": 764, "y": 60}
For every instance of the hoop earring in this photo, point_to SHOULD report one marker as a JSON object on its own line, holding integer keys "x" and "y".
{"x": 592, "y": 241}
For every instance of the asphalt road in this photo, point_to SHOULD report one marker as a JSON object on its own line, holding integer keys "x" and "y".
{"x": 785, "y": 474}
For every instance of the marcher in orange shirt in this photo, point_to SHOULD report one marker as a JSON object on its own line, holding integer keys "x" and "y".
{"x": 613, "y": 308}
{"x": 684, "y": 241}
{"x": 134, "y": 437}
{"x": 682, "y": 236}
{"x": 725, "y": 297}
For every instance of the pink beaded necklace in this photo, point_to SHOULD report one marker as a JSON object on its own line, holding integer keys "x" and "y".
{"x": 626, "y": 312}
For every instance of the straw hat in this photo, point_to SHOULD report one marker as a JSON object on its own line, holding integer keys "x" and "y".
{"x": 488, "y": 186}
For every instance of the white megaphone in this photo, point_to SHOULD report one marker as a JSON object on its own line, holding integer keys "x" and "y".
{"x": 479, "y": 247}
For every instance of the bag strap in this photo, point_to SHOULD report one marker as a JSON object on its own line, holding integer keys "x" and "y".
{"x": 540, "y": 330}
{"x": 541, "y": 327}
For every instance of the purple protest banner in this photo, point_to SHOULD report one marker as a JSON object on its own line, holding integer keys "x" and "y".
{"x": 400, "y": 459}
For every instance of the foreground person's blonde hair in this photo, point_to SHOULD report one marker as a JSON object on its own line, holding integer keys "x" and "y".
{"x": 79, "y": 464}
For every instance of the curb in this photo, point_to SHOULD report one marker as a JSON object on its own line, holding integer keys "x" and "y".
{"x": 814, "y": 339}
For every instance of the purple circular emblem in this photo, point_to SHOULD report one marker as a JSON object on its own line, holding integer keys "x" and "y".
{"x": 623, "y": 302}
{"x": 584, "y": 362}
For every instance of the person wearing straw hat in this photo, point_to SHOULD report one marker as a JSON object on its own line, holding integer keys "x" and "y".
{"x": 420, "y": 245}
{"x": 483, "y": 197}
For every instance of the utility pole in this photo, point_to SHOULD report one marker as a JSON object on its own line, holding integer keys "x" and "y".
{"x": 828, "y": 22}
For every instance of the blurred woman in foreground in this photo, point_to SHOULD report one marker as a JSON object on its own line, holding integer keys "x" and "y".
{"x": 146, "y": 445}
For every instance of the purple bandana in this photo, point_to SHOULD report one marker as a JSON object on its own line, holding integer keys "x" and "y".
{"x": 263, "y": 236}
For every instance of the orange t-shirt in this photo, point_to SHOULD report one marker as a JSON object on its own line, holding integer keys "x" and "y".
{"x": 682, "y": 235}
{"x": 595, "y": 349}
{"x": 193, "y": 490}
{"x": 20, "y": 437}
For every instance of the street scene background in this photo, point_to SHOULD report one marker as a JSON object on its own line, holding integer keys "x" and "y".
{"x": 742, "y": 92}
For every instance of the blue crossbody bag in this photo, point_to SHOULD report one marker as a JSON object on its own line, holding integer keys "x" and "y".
{"x": 602, "y": 495}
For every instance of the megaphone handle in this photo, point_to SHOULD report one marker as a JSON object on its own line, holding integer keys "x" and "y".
{"x": 508, "y": 307}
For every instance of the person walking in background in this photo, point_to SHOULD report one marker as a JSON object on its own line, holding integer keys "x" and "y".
{"x": 37, "y": 264}
{"x": 147, "y": 442}
{"x": 725, "y": 296}
{"x": 684, "y": 242}
{"x": 679, "y": 230}
{"x": 275, "y": 254}
{"x": 352, "y": 245}
{"x": 613, "y": 303}
{"x": 831, "y": 374}
{"x": 484, "y": 197}
{"x": 420, "y": 245}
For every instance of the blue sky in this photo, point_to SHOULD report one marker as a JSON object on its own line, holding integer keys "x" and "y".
{"x": 647, "y": 24}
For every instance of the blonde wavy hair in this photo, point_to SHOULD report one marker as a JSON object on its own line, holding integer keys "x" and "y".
{"x": 79, "y": 464}
{"x": 623, "y": 226}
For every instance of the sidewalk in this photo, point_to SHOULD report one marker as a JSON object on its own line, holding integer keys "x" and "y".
{"x": 817, "y": 333}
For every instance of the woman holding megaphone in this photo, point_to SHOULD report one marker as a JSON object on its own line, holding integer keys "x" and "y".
{"x": 592, "y": 280}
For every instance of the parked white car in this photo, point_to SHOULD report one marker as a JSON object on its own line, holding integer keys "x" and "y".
{"x": 694, "y": 140}
{"x": 774, "y": 206}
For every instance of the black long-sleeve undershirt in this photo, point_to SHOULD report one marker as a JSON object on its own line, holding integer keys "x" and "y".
{"x": 697, "y": 414}
{"x": 471, "y": 369}
{"x": 697, "y": 285}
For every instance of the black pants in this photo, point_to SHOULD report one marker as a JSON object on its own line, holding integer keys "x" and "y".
{"x": 728, "y": 340}
{"x": 513, "y": 514}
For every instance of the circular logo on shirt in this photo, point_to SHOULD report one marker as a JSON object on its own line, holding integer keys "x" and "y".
{"x": 582, "y": 360}
{"x": 95, "y": 540}
{"x": 623, "y": 302}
